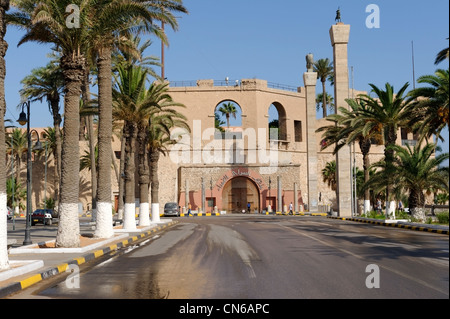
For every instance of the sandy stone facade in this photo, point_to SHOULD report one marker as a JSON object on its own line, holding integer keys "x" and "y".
{"x": 209, "y": 170}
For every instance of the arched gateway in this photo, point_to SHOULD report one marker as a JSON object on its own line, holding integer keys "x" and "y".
{"x": 238, "y": 192}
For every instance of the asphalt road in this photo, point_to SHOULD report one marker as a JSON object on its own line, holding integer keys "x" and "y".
{"x": 269, "y": 257}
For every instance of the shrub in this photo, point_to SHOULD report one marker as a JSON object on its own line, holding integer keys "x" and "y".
{"x": 442, "y": 218}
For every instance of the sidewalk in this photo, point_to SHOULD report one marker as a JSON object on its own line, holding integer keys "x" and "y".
{"x": 40, "y": 260}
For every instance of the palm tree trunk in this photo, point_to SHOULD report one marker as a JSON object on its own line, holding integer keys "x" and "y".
{"x": 364, "y": 145}
{"x": 68, "y": 234}
{"x": 129, "y": 221}
{"x": 144, "y": 177}
{"x": 154, "y": 159}
{"x": 86, "y": 95}
{"x": 324, "y": 99}
{"x": 391, "y": 137}
{"x": 121, "y": 175}
{"x": 104, "y": 227}
{"x": 4, "y": 262}
{"x": 57, "y": 154}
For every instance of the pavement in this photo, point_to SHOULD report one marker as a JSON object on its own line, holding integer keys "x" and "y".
{"x": 30, "y": 264}
{"x": 33, "y": 263}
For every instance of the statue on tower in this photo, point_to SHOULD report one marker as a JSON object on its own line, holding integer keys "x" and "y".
{"x": 310, "y": 62}
{"x": 338, "y": 15}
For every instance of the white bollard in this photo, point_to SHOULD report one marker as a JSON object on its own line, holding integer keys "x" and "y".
{"x": 155, "y": 213}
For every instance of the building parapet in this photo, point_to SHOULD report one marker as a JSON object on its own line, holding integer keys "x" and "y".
{"x": 244, "y": 84}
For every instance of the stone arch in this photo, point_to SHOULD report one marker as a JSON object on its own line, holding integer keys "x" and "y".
{"x": 277, "y": 112}
{"x": 233, "y": 122}
{"x": 239, "y": 191}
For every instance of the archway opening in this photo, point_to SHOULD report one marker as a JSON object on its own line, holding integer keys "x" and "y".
{"x": 238, "y": 193}
{"x": 228, "y": 117}
{"x": 277, "y": 122}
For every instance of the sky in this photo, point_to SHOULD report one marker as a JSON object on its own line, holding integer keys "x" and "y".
{"x": 266, "y": 39}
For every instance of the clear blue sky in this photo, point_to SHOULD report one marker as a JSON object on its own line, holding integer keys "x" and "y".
{"x": 269, "y": 39}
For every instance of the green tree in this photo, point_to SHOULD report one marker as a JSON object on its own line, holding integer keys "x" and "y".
{"x": 442, "y": 55}
{"x": 162, "y": 121}
{"x": 46, "y": 22}
{"x": 347, "y": 128}
{"x": 386, "y": 112}
{"x": 430, "y": 106}
{"x": 4, "y": 261}
{"x": 47, "y": 83}
{"x": 417, "y": 170}
{"x": 329, "y": 175}
{"x": 114, "y": 18}
{"x": 324, "y": 69}
{"x": 129, "y": 106}
{"x": 228, "y": 109}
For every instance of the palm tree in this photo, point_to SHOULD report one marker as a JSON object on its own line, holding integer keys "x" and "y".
{"x": 431, "y": 104}
{"x": 4, "y": 262}
{"x": 418, "y": 170}
{"x": 18, "y": 148}
{"x": 329, "y": 175}
{"x": 386, "y": 113}
{"x": 128, "y": 100}
{"x": 45, "y": 22}
{"x": 47, "y": 83}
{"x": 348, "y": 127}
{"x": 324, "y": 69}
{"x": 329, "y": 101}
{"x": 49, "y": 135}
{"x": 442, "y": 55}
{"x": 228, "y": 109}
{"x": 162, "y": 120}
{"x": 112, "y": 18}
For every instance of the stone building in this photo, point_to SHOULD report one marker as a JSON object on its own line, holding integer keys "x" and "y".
{"x": 249, "y": 163}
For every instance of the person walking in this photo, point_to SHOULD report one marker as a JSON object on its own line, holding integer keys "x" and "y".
{"x": 290, "y": 209}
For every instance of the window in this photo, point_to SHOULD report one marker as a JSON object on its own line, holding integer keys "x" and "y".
{"x": 298, "y": 131}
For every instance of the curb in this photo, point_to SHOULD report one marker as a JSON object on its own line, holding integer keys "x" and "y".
{"x": 421, "y": 227}
{"x": 53, "y": 271}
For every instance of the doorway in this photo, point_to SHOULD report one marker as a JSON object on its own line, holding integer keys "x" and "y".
{"x": 237, "y": 193}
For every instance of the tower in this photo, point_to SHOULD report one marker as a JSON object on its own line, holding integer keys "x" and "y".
{"x": 339, "y": 35}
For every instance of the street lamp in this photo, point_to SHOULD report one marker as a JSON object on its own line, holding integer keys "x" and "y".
{"x": 25, "y": 119}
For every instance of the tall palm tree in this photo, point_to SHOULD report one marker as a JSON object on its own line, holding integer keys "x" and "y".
{"x": 386, "y": 113}
{"x": 329, "y": 101}
{"x": 112, "y": 18}
{"x": 324, "y": 69}
{"x": 49, "y": 135}
{"x": 18, "y": 148}
{"x": 128, "y": 100}
{"x": 47, "y": 83}
{"x": 46, "y": 22}
{"x": 163, "y": 119}
{"x": 228, "y": 109}
{"x": 430, "y": 108}
{"x": 348, "y": 127}
{"x": 4, "y": 261}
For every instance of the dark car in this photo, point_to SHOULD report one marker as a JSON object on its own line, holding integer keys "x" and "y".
{"x": 43, "y": 216}
{"x": 171, "y": 209}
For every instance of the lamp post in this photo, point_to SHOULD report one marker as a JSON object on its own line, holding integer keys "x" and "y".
{"x": 25, "y": 119}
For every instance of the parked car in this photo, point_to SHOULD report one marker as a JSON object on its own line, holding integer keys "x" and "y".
{"x": 171, "y": 209}
{"x": 9, "y": 212}
{"x": 43, "y": 216}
